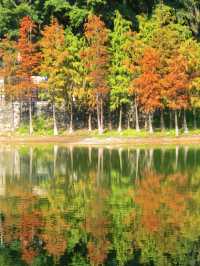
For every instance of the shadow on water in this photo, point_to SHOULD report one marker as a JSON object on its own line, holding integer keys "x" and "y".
{"x": 99, "y": 206}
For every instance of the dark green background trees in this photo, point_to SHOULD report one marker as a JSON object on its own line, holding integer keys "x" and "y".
{"x": 73, "y": 13}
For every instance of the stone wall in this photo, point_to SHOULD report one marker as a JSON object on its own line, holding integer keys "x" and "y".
{"x": 9, "y": 116}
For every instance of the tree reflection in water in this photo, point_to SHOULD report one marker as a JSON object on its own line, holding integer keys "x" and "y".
{"x": 78, "y": 206}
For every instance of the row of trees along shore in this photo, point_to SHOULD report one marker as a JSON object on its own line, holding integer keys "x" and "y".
{"x": 108, "y": 77}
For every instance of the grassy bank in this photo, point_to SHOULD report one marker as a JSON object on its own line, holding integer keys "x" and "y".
{"x": 23, "y": 131}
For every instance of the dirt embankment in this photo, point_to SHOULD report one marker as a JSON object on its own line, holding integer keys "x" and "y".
{"x": 77, "y": 140}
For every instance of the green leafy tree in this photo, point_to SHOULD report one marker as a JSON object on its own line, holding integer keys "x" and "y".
{"x": 71, "y": 73}
{"x": 119, "y": 76}
{"x": 190, "y": 49}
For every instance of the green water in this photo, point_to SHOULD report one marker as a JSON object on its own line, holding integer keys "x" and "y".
{"x": 99, "y": 206}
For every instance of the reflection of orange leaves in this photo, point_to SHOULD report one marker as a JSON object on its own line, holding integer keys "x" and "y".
{"x": 10, "y": 232}
{"x": 23, "y": 222}
{"x": 151, "y": 222}
{"x": 29, "y": 229}
{"x": 97, "y": 225}
{"x": 161, "y": 202}
{"x": 28, "y": 255}
{"x": 54, "y": 236}
{"x": 55, "y": 243}
{"x": 98, "y": 252}
{"x": 178, "y": 179}
{"x": 30, "y": 221}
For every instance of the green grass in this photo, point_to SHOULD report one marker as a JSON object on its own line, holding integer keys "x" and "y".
{"x": 145, "y": 134}
{"x": 41, "y": 127}
{"x": 44, "y": 127}
{"x": 24, "y": 131}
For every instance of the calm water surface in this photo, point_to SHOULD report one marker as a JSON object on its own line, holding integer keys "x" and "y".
{"x": 94, "y": 206}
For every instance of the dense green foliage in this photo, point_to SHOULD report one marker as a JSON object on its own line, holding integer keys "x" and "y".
{"x": 73, "y": 13}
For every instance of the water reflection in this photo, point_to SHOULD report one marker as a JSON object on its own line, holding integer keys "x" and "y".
{"x": 76, "y": 163}
{"x": 95, "y": 206}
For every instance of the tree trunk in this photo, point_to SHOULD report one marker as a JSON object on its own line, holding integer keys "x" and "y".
{"x": 162, "y": 121}
{"x": 185, "y": 122}
{"x": 176, "y": 123}
{"x": 102, "y": 118}
{"x": 30, "y": 118}
{"x": 100, "y": 166}
{"x": 185, "y": 156}
{"x": 13, "y": 118}
{"x": 55, "y": 152}
{"x": 71, "y": 120}
{"x": 120, "y": 159}
{"x": 90, "y": 122}
{"x": 176, "y": 157}
{"x": 150, "y": 161}
{"x": 55, "y": 129}
{"x": 30, "y": 163}
{"x": 98, "y": 118}
{"x": 195, "y": 119}
{"x": 137, "y": 126}
{"x": 150, "y": 124}
{"x": 146, "y": 122}
{"x": 170, "y": 120}
{"x": 20, "y": 111}
{"x": 128, "y": 122}
{"x": 1, "y": 230}
{"x": 110, "y": 121}
{"x": 90, "y": 154}
{"x": 137, "y": 164}
{"x": 120, "y": 120}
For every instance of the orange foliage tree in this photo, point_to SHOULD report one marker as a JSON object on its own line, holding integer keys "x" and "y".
{"x": 54, "y": 54}
{"x": 28, "y": 59}
{"x": 95, "y": 58}
{"x": 147, "y": 85}
{"x": 176, "y": 86}
{"x": 8, "y": 55}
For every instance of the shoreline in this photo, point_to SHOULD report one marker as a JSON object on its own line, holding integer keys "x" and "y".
{"x": 96, "y": 141}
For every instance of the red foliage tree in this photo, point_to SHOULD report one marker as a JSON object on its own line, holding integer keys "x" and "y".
{"x": 28, "y": 59}
{"x": 147, "y": 85}
{"x": 8, "y": 55}
{"x": 176, "y": 85}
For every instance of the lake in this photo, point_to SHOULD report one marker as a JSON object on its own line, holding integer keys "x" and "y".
{"x": 81, "y": 206}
